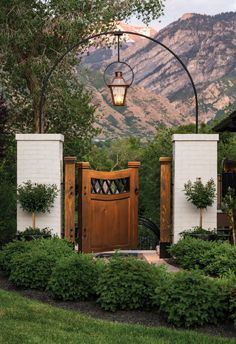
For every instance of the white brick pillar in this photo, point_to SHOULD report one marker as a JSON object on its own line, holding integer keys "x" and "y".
{"x": 194, "y": 156}
{"x": 40, "y": 159}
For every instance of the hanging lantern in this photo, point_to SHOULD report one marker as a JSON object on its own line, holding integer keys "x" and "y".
{"x": 118, "y": 88}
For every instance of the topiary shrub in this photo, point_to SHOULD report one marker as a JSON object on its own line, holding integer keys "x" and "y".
{"x": 32, "y": 269}
{"x": 190, "y": 299}
{"x": 36, "y": 197}
{"x": 200, "y": 195}
{"x": 74, "y": 278}
{"x": 9, "y": 251}
{"x": 128, "y": 283}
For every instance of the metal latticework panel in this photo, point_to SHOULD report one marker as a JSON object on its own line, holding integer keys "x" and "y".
{"x": 110, "y": 186}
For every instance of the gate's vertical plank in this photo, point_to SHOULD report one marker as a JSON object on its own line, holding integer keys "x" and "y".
{"x": 165, "y": 205}
{"x": 69, "y": 199}
{"x": 84, "y": 199}
{"x": 134, "y": 191}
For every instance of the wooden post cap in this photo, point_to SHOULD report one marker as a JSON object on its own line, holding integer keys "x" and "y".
{"x": 83, "y": 165}
{"x": 165, "y": 159}
{"x": 70, "y": 159}
{"x": 134, "y": 164}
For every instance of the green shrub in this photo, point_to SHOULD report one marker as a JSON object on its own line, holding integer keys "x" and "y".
{"x": 11, "y": 250}
{"x": 128, "y": 283}
{"x": 32, "y": 269}
{"x": 190, "y": 299}
{"x": 214, "y": 258}
{"x": 219, "y": 260}
{"x": 54, "y": 246}
{"x": 188, "y": 252}
{"x": 8, "y": 211}
{"x": 31, "y": 233}
{"x": 74, "y": 278}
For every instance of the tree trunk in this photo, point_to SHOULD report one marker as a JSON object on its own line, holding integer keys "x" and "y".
{"x": 201, "y": 217}
{"x": 33, "y": 85}
{"x": 33, "y": 221}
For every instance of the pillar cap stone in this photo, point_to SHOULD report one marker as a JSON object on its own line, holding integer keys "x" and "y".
{"x": 195, "y": 137}
{"x": 40, "y": 137}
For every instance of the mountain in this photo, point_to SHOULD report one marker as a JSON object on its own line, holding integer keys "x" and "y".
{"x": 162, "y": 92}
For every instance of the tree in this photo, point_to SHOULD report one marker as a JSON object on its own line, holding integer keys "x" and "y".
{"x": 36, "y": 198}
{"x": 200, "y": 195}
{"x": 229, "y": 207}
{"x": 34, "y": 33}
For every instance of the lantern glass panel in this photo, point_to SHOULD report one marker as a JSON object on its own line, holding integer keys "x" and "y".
{"x": 118, "y": 93}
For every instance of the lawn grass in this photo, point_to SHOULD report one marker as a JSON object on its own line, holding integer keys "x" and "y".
{"x": 25, "y": 321}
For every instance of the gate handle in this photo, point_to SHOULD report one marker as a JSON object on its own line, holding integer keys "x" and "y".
{"x": 84, "y": 233}
{"x": 136, "y": 190}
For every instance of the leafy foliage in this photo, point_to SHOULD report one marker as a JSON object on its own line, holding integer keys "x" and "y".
{"x": 36, "y": 197}
{"x": 128, "y": 283}
{"x": 32, "y": 269}
{"x": 188, "y": 252}
{"x": 34, "y": 233}
{"x": 45, "y": 30}
{"x": 229, "y": 207}
{"x": 11, "y": 250}
{"x": 53, "y": 247}
{"x": 200, "y": 195}
{"x": 189, "y": 299}
{"x": 74, "y": 278}
{"x": 214, "y": 258}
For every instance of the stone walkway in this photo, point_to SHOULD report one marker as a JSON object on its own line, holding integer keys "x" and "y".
{"x": 151, "y": 256}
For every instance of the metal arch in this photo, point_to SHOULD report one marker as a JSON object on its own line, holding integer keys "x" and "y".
{"x": 121, "y": 62}
{"x": 115, "y": 33}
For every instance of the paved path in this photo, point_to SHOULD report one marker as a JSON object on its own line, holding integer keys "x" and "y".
{"x": 151, "y": 256}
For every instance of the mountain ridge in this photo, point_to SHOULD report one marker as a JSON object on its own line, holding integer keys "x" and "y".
{"x": 206, "y": 45}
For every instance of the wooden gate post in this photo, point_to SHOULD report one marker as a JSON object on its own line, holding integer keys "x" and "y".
{"x": 69, "y": 227}
{"x": 83, "y": 214}
{"x": 134, "y": 191}
{"x": 165, "y": 205}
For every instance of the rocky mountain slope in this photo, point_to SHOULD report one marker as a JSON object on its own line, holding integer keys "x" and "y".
{"x": 162, "y": 92}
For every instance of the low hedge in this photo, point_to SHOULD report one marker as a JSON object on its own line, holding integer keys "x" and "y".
{"x": 128, "y": 283}
{"x": 190, "y": 299}
{"x": 32, "y": 269}
{"x": 74, "y": 277}
{"x": 30, "y": 263}
{"x": 11, "y": 250}
{"x": 214, "y": 258}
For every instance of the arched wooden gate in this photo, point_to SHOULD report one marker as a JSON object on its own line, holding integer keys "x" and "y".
{"x": 108, "y": 207}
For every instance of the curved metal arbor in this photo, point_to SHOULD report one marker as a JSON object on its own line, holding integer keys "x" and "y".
{"x": 114, "y": 33}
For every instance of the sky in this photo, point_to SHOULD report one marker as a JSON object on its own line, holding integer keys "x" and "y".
{"x": 174, "y": 9}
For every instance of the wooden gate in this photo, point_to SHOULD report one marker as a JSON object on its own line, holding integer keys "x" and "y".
{"x": 108, "y": 207}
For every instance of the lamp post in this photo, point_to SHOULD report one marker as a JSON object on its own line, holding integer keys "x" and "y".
{"x": 118, "y": 86}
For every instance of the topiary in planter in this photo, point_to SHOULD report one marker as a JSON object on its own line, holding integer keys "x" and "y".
{"x": 200, "y": 195}
{"x": 36, "y": 198}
